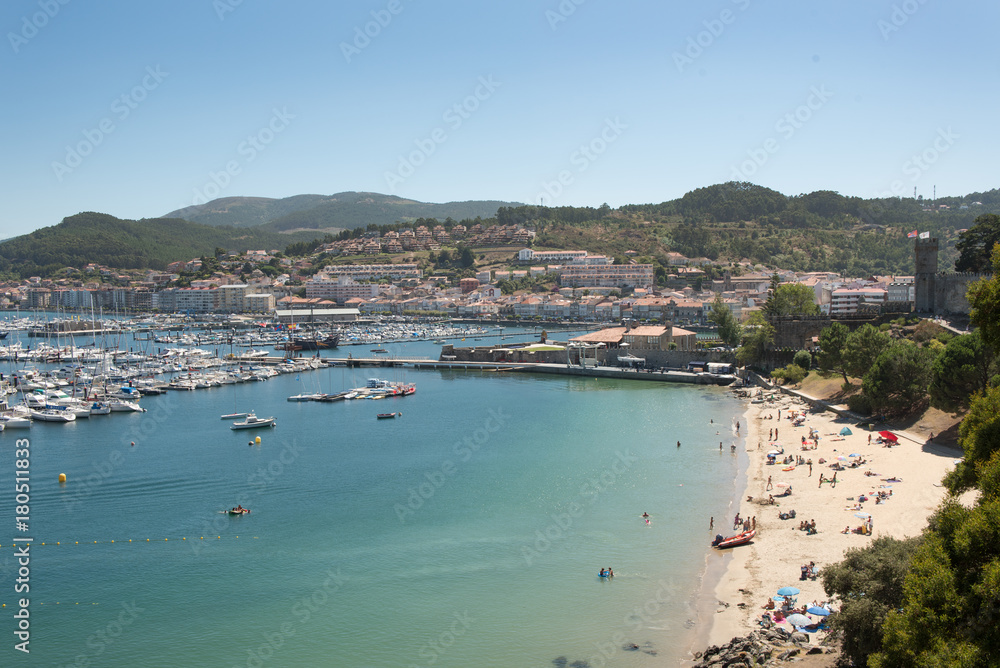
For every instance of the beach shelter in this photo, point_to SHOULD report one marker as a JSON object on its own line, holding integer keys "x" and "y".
{"x": 889, "y": 436}
{"x": 799, "y": 620}
{"x": 818, "y": 611}
{"x": 846, "y": 431}
{"x": 788, "y": 591}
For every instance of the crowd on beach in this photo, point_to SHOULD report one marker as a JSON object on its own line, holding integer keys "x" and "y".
{"x": 848, "y": 465}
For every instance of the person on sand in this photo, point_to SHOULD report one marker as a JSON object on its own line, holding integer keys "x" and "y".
{"x": 770, "y": 499}
{"x": 711, "y": 523}
{"x": 776, "y": 433}
{"x": 753, "y": 523}
{"x": 810, "y": 468}
{"x": 769, "y": 485}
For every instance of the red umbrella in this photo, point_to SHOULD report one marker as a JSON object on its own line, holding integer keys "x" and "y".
{"x": 888, "y": 435}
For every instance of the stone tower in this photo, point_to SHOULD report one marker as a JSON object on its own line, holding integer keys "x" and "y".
{"x": 924, "y": 276}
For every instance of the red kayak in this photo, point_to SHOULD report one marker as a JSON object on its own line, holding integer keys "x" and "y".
{"x": 733, "y": 541}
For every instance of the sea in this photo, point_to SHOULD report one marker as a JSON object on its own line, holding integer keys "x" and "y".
{"x": 467, "y": 531}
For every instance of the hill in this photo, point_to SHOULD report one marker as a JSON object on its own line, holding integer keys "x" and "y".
{"x": 735, "y": 222}
{"x": 126, "y": 244}
{"x": 346, "y": 210}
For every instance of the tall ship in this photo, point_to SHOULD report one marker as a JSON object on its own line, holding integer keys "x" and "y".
{"x": 313, "y": 342}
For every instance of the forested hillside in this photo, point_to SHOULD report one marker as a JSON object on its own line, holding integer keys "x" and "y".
{"x": 125, "y": 244}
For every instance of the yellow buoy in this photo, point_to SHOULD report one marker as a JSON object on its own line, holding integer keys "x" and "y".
{"x": 62, "y": 477}
{"x": 257, "y": 440}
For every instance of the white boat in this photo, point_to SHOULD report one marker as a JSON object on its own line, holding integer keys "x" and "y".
{"x": 123, "y": 406}
{"x": 254, "y": 422}
{"x": 234, "y": 416}
{"x": 100, "y": 409}
{"x": 305, "y": 397}
{"x": 52, "y": 415}
{"x": 15, "y": 421}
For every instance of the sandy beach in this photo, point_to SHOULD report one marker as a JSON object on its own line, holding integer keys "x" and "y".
{"x": 753, "y": 573}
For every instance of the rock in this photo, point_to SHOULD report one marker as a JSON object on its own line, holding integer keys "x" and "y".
{"x": 788, "y": 654}
{"x": 560, "y": 662}
{"x": 799, "y": 637}
{"x": 815, "y": 650}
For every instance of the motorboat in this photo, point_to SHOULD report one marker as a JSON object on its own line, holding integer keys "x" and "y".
{"x": 15, "y": 421}
{"x": 98, "y": 408}
{"x": 739, "y": 539}
{"x": 253, "y": 422}
{"x": 306, "y": 397}
{"x": 124, "y": 406}
{"x": 387, "y": 416}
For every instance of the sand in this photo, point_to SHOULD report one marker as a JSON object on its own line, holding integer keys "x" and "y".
{"x": 754, "y": 573}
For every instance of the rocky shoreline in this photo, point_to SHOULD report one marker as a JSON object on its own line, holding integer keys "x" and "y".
{"x": 764, "y": 647}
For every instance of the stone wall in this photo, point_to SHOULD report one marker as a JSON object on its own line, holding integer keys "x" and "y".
{"x": 676, "y": 359}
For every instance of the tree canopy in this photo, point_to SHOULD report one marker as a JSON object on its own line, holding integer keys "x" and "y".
{"x": 862, "y": 348}
{"x": 965, "y": 367}
{"x": 897, "y": 381}
{"x": 975, "y": 245}
{"x": 832, "y": 341}
{"x": 729, "y": 330}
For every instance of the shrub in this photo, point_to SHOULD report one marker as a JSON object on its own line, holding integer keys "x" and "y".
{"x": 860, "y": 404}
{"x": 803, "y": 359}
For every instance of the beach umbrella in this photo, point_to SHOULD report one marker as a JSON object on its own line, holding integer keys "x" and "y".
{"x": 818, "y": 611}
{"x": 846, "y": 431}
{"x": 842, "y": 458}
{"x": 863, "y": 516}
{"x": 799, "y": 620}
{"x": 888, "y": 435}
{"x": 781, "y": 484}
{"x": 788, "y": 591}
{"x": 854, "y": 454}
{"x": 774, "y": 452}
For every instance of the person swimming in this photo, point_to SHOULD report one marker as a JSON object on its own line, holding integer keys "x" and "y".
{"x": 602, "y": 574}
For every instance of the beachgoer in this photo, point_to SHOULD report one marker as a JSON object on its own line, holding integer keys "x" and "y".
{"x": 769, "y": 485}
{"x": 720, "y": 446}
{"x": 869, "y": 439}
{"x": 711, "y": 523}
{"x": 753, "y": 522}
{"x": 678, "y": 444}
{"x": 770, "y": 434}
{"x": 645, "y": 514}
{"x": 770, "y": 499}
{"x": 776, "y": 433}
{"x": 821, "y": 480}
{"x": 603, "y": 573}
{"x": 611, "y": 573}
{"x": 732, "y": 448}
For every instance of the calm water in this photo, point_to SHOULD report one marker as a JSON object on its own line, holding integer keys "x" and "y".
{"x": 467, "y": 532}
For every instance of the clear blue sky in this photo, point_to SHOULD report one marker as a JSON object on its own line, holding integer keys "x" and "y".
{"x": 796, "y": 96}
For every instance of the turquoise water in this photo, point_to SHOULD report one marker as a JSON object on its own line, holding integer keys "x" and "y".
{"x": 467, "y": 532}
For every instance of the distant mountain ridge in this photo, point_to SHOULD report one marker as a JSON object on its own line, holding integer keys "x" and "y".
{"x": 340, "y": 211}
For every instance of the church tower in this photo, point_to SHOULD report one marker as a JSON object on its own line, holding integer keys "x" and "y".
{"x": 924, "y": 276}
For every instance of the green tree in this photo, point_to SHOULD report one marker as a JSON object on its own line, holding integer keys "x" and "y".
{"x": 984, "y": 298}
{"x": 975, "y": 245}
{"x": 869, "y": 583}
{"x": 897, "y": 381}
{"x": 757, "y": 337}
{"x": 965, "y": 367}
{"x": 466, "y": 257}
{"x": 832, "y": 341}
{"x": 729, "y": 328}
{"x": 803, "y": 360}
{"x": 862, "y": 348}
{"x": 791, "y": 299}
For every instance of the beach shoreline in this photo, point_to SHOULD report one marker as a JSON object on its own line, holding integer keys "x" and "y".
{"x": 731, "y": 604}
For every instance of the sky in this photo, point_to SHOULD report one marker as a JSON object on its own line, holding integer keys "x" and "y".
{"x": 139, "y": 108}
